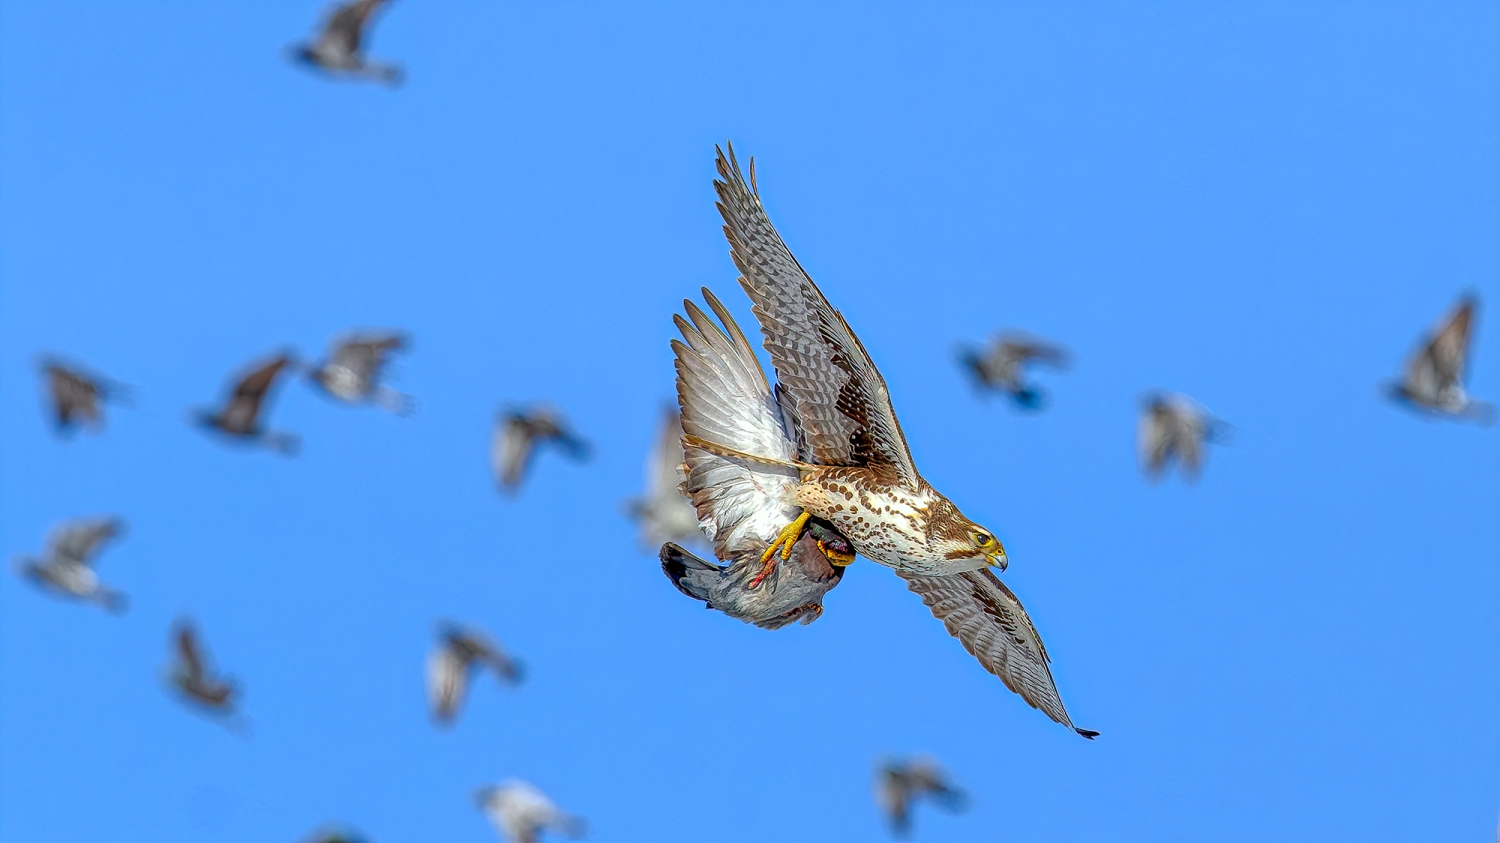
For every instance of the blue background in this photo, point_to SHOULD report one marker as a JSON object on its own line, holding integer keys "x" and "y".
{"x": 1263, "y": 206}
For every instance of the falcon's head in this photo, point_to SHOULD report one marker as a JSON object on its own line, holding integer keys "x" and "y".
{"x": 958, "y": 539}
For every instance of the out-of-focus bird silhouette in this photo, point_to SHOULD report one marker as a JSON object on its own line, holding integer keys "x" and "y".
{"x": 335, "y": 833}
{"x": 339, "y": 48}
{"x": 1002, "y": 367}
{"x": 663, "y": 513}
{"x": 518, "y": 434}
{"x": 68, "y": 567}
{"x": 899, "y": 785}
{"x": 352, "y": 373}
{"x": 76, "y": 397}
{"x": 241, "y": 416}
{"x": 192, "y": 678}
{"x": 1174, "y": 426}
{"x": 521, "y": 813}
{"x": 1435, "y": 374}
{"x": 458, "y": 653}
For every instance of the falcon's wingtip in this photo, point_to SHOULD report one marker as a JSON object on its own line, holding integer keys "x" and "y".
{"x": 1088, "y": 733}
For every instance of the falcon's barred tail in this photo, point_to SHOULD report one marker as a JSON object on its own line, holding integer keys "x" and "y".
{"x": 692, "y": 576}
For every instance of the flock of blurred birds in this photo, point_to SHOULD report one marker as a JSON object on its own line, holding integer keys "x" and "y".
{"x": 786, "y": 483}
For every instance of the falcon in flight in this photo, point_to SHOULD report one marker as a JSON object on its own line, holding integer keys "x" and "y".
{"x": 458, "y": 652}
{"x": 899, "y": 785}
{"x": 520, "y": 812}
{"x": 68, "y": 568}
{"x": 240, "y": 417}
{"x": 77, "y": 398}
{"x": 517, "y": 435}
{"x": 1176, "y": 427}
{"x": 1002, "y": 367}
{"x": 339, "y": 47}
{"x": 352, "y": 374}
{"x": 1434, "y": 377}
{"x": 838, "y": 455}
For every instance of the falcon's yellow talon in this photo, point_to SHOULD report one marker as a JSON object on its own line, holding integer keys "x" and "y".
{"x": 785, "y": 541}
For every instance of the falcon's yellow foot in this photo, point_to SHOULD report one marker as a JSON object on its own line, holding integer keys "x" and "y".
{"x": 785, "y": 541}
{"x": 836, "y": 557}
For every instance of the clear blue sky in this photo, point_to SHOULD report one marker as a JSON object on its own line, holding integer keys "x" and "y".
{"x": 1261, "y": 205}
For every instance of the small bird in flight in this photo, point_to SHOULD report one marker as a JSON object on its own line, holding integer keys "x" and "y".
{"x": 1002, "y": 367}
{"x": 76, "y": 398}
{"x": 240, "y": 417}
{"x": 339, "y": 47}
{"x": 68, "y": 567}
{"x": 1434, "y": 376}
{"x": 518, "y": 433}
{"x": 458, "y": 653}
{"x": 190, "y": 676}
{"x": 899, "y": 785}
{"x": 520, "y": 812}
{"x": 352, "y": 374}
{"x": 1175, "y": 426}
{"x": 663, "y": 513}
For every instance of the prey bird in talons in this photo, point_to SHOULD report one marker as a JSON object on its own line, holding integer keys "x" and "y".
{"x": 76, "y": 398}
{"x": 68, "y": 567}
{"x": 521, "y": 813}
{"x": 900, "y": 785}
{"x": 1002, "y": 367}
{"x": 838, "y": 455}
{"x": 193, "y": 680}
{"x": 518, "y": 434}
{"x": 1176, "y": 427}
{"x": 1434, "y": 376}
{"x": 339, "y": 46}
{"x": 240, "y": 417}
{"x": 459, "y": 652}
{"x": 352, "y": 373}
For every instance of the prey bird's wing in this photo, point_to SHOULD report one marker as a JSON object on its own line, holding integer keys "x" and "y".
{"x": 726, "y": 400}
{"x": 990, "y": 622}
{"x": 840, "y": 398}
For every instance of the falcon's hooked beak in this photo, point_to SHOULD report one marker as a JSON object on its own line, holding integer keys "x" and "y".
{"x": 996, "y": 557}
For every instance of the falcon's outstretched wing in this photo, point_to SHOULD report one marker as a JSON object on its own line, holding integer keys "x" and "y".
{"x": 990, "y": 622}
{"x": 838, "y": 395}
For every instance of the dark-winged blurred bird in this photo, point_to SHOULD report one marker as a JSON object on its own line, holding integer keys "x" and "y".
{"x": 458, "y": 653}
{"x": 339, "y": 46}
{"x": 521, "y": 813}
{"x": 352, "y": 372}
{"x": 518, "y": 433}
{"x": 335, "y": 833}
{"x": 856, "y": 473}
{"x": 899, "y": 785}
{"x": 1434, "y": 376}
{"x": 1175, "y": 427}
{"x": 76, "y": 398}
{"x": 663, "y": 513}
{"x": 68, "y": 567}
{"x": 241, "y": 415}
{"x": 191, "y": 676}
{"x": 1002, "y": 367}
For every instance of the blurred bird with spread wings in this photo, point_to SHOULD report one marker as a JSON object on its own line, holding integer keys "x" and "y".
{"x": 518, "y": 434}
{"x": 352, "y": 374}
{"x": 837, "y": 455}
{"x": 77, "y": 398}
{"x": 458, "y": 653}
{"x": 899, "y": 785}
{"x": 1002, "y": 368}
{"x": 193, "y": 679}
{"x": 241, "y": 416}
{"x": 339, "y": 47}
{"x": 1176, "y": 427}
{"x": 663, "y": 513}
{"x": 68, "y": 567}
{"x": 521, "y": 813}
{"x": 1434, "y": 376}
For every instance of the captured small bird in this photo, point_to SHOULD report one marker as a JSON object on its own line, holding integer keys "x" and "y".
{"x": 521, "y": 813}
{"x": 1434, "y": 376}
{"x": 190, "y": 675}
{"x": 837, "y": 455}
{"x": 241, "y": 416}
{"x": 793, "y": 592}
{"x": 458, "y": 653}
{"x": 518, "y": 434}
{"x": 1002, "y": 367}
{"x": 76, "y": 398}
{"x": 339, "y": 47}
{"x": 1175, "y": 426}
{"x": 68, "y": 567}
{"x": 899, "y": 785}
{"x": 352, "y": 373}
{"x": 664, "y": 514}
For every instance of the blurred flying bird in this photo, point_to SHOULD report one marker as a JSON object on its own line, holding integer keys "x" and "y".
{"x": 240, "y": 417}
{"x": 68, "y": 567}
{"x": 900, "y": 785}
{"x": 1434, "y": 377}
{"x": 518, "y": 433}
{"x": 77, "y": 398}
{"x": 353, "y": 371}
{"x": 520, "y": 812}
{"x": 1176, "y": 426}
{"x": 664, "y": 514}
{"x": 339, "y": 47}
{"x": 458, "y": 653}
{"x": 851, "y": 466}
{"x": 190, "y": 676}
{"x": 335, "y": 833}
{"x": 1002, "y": 367}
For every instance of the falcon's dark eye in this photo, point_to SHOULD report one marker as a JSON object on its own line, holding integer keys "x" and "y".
{"x": 983, "y": 539}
